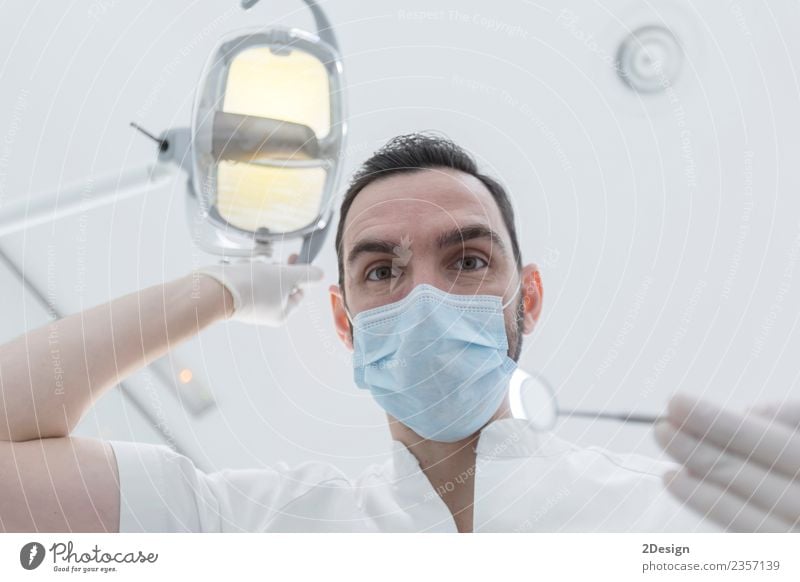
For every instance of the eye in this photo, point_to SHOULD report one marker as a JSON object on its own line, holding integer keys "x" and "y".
{"x": 381, "y": 273}
{"x": 471, "y": 263}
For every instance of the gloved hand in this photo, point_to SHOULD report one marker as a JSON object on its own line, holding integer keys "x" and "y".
{"x": 264, "y": 293}
{"x": 740, "y": 470}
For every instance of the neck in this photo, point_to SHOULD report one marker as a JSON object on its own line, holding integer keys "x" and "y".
{"x": 450, "y": 467}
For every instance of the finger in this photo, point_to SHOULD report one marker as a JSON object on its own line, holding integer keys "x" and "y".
{"x": 723, "y": 508}
{"x": 292, "y": 301}
{"x": 293, "y": 258}
{"x": 301, "y": 275}
{"x": 786, "y": 412}
{"x": 766, "y": 442}
{"x": 768, "y": 490}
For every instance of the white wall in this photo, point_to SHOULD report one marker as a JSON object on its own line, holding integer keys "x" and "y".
{"x": 667, "y": 227}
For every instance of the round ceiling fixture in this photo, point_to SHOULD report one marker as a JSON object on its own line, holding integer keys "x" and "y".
{"x": 649, "y": 59}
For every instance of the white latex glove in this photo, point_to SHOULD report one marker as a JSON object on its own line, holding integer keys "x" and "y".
{"x": 264, "y": 293}
{"x": 742, "y": 471}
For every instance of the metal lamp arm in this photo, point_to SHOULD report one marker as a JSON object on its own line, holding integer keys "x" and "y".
{"x": 324, "y": 28}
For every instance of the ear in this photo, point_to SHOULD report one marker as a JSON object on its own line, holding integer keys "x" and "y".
{"x": 340, "y": 320}
{"x": 533, "y": 295}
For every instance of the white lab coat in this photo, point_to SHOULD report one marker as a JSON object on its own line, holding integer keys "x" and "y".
{"x": 525, "y": 481}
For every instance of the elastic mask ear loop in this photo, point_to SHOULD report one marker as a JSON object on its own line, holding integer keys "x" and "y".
{"x": 513, "y": 297}
{"x": 510, "y": 301}
{"x": 349, "y": 317}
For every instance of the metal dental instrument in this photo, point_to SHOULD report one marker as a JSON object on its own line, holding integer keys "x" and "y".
{"x": 618, "y": 416}
{"x": 533, "y": 398}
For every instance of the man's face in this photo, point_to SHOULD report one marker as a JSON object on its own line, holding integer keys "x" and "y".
{"x": 436, "y": 226}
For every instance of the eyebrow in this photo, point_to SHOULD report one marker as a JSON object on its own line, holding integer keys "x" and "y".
{"x": 461, "y": 234}
{"x": 457, "y": 236}
{"x": 371, "y": 246}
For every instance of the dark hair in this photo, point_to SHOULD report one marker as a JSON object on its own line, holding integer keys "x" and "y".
{"x": 413, "y": 152}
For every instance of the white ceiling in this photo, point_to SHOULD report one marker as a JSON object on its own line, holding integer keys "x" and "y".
{"x": 667, "y": 226}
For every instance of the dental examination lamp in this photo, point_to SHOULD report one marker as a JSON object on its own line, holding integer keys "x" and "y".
{"x": 262, "y": 155}
{"x": 262, "y": 158}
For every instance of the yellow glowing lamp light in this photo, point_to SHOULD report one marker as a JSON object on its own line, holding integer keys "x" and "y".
{"x": 293, "y": 88}
{"x": 267, "y": 140}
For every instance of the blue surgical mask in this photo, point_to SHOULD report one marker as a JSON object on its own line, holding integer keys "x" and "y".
{"x": 435, "y": 361}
